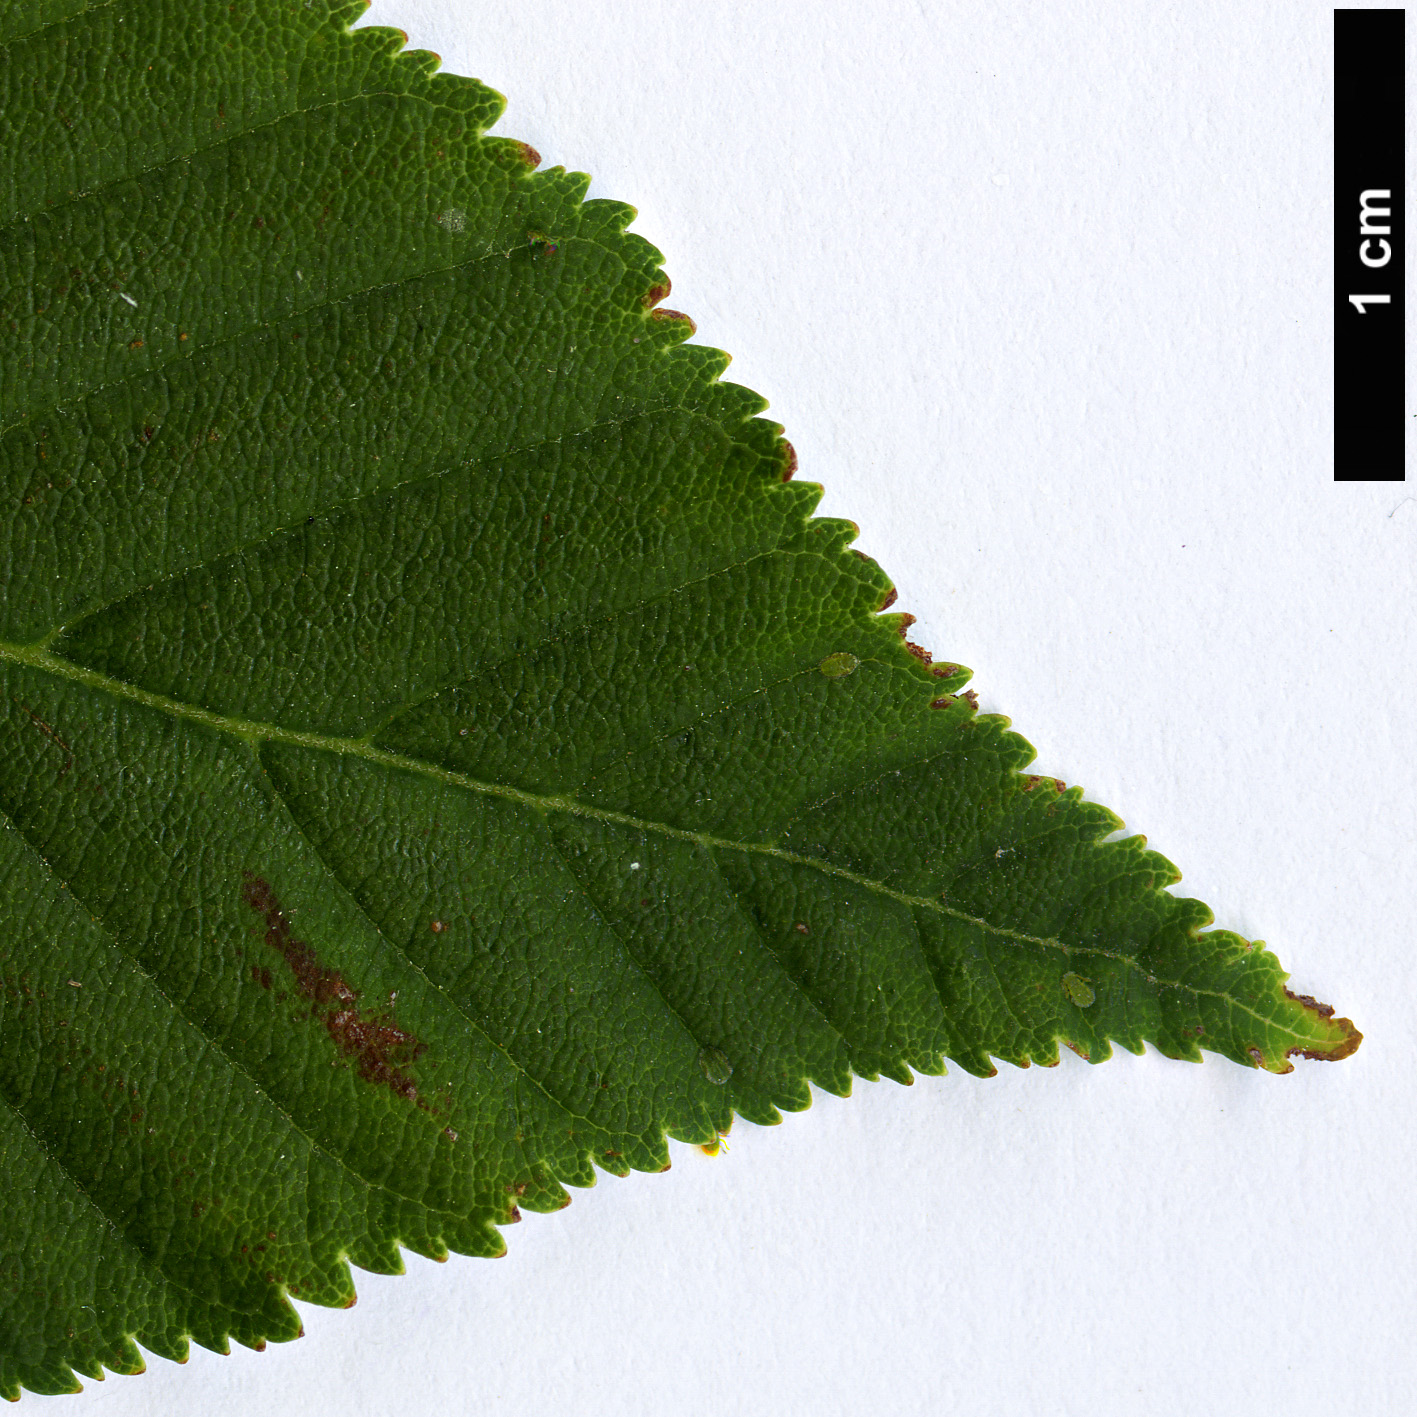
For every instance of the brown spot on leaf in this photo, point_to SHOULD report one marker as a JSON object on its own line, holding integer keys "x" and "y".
{"x": 656, "y": 293}
{"x": 971, "y": 698}
{"x": 801, "y": 928}
{"x": 945, "y": 671}
{"x": 437, "y": 926}
{"x": 923, "y": 655}
{"x": 530, "y": 156}
{"x": 379, "y": 1049}
{"x": 888, "y": 601}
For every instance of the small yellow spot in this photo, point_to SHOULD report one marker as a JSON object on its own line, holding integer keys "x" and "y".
{"x": 838, "y": 666}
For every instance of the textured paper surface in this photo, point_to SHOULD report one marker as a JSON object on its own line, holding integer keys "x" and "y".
{"x": 1042, "y": 294}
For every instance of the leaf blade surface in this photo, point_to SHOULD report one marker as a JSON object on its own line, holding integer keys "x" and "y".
{"x": 441, "y": 747}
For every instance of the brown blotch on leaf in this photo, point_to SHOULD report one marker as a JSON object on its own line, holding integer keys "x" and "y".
{"x": 944, "y": 701}
{"x": 801, "y": 928}
{"x": 530, "y": 156}
{"x": 945, "y": 671}
{"x": 379, "y": 1049}
{"x": 656, "y": 293}
{"x": 1345, "y": 1047}
{"x": 923, "y": 655}
{"x": 437, "y": 926}
{"x": 971, "y": 698}
{"x": 677, "y": 316}
{"x": 888, "y": 601}
{"x": 789, "y": 466}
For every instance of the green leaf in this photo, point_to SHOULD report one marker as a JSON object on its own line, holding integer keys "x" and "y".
{"x": 442, "y": 754}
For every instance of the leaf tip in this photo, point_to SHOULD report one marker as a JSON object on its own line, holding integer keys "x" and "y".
{"x": 1346, "y": 1037}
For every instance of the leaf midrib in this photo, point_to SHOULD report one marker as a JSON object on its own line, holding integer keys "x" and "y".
{"x": 255, "y": 732}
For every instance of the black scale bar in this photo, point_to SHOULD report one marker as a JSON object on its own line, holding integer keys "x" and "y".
{"x": 1370, "y": 425}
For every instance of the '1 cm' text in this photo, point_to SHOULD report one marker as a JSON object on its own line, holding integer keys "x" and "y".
{"x": 1366, "y": 211}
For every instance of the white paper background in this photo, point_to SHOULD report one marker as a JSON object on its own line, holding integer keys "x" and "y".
{"x": 1042, "y": 294}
